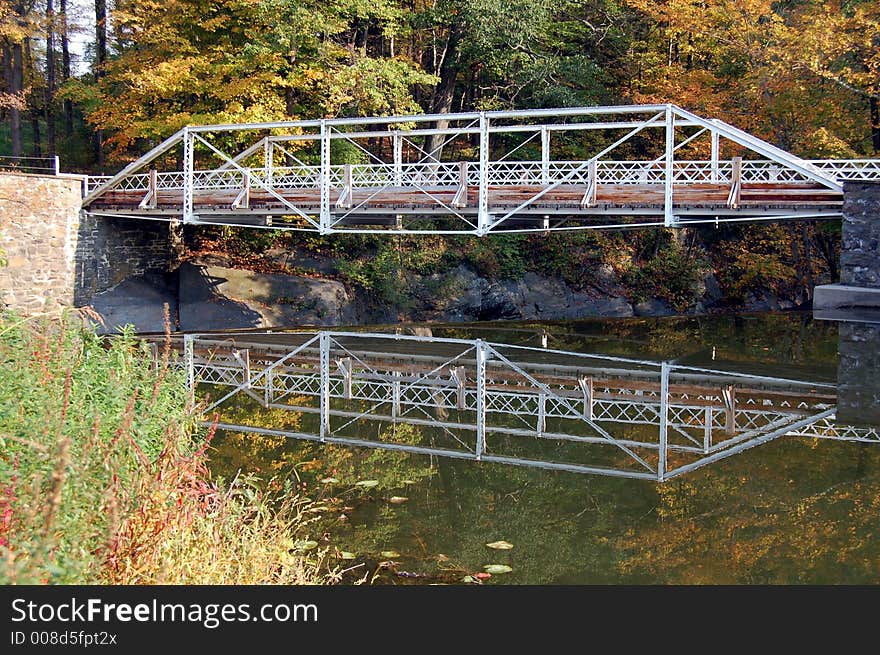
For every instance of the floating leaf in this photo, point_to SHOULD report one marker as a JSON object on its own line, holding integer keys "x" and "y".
{"x": 500, "y": 545}
{"x": 469, "y": 579}
{"x": 496, "y": 569}
{"x": 397, "y": 500}
{"x": 329, "y": 480}
{"x": 408, "y": 481}
{"x": 344, "y": 554}
{"x": 367, "y": 484}
{"x": 305, "y": 544}
{"x": 389, "y": 554}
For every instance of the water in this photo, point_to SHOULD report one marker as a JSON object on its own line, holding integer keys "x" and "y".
{"x": 795, "y": 510}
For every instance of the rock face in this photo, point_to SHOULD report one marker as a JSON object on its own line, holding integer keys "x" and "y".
{"x": 208, "y": 295}
{"x": 653, "y": 307}
{"x": 532, "y": 297}
{"x": 139, "y": 301}
{"x": 218, "y": 298}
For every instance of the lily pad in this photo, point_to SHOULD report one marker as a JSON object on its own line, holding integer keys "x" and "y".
{"x": 367, "y": 484}
{"x": 344, "y": 554}
{"x": 397, "y": 500}
{"x": 500, "y": 545}
{"x": 496, "y": 569}
{"x": 329, "y": 481}
{"x": 469, "y": 579}
{"x": 305, "y": 544}
{"x": 389, "y": 554}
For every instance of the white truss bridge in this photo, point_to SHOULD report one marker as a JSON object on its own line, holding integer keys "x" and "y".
{"x": 472, "y": 399}
{"x": 482, "y": 172}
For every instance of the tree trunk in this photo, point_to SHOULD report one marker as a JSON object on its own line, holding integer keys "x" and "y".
{"x": 50, "y": 77}
{"x": 65, "y": 69}
{"x": 35, "y": 126}
{"x": 441, "y": 103}
{"x": 34, "y": 109}
{"x": 101, "y": 60}
{"x": 14, "y": 76}
{"x": 808, "y": 260}
{"x": 875, "y": 122}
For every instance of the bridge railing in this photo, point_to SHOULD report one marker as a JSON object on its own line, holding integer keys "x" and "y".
{"x": 501, "y": 173}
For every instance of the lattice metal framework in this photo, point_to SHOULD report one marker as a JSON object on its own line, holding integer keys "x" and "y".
{"x": 501, "y": 403}
{"x": 496, "y": 171}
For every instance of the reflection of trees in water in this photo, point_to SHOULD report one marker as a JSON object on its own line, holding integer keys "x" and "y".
{"x": 782, "y": 338}
{"x": 794, "y": 512}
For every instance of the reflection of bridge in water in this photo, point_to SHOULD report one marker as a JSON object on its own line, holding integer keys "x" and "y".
{"x": 492, "y": 402}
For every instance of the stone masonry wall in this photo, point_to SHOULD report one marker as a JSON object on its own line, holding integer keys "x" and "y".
{"x": 57, "y": 256}
{"x": 860, "y": 255}
{"x": 109, "y": 250}
{"x": 39, "y": 219}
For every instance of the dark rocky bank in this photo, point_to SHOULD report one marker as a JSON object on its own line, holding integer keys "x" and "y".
{"x": 208, "y": 294}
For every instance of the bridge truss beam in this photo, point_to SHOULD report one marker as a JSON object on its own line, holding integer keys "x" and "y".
{"x": 650, "y": 165}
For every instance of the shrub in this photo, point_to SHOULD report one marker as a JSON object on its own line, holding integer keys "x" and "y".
{"x": 101, "y": 480}
{"x": 673, "y": 275}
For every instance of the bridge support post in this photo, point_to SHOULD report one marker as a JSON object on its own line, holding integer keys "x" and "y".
{"x": 716, "y": 149}
{"x": 324, "y": 364}
{"x": 545, "y": 156}
{"x": 189, "y": 362}
{"x": 188, "y": 143}
{"x": 325, "y": 219}
{"x": 268, "y": 159}
{"x": 483, "y": 201}
{"x": 481, "y": 399}
{"x": 668, "y": 217}
{"x": 664, "y": 420}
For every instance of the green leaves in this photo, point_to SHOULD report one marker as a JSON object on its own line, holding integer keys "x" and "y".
{"x": 497, "y": 569}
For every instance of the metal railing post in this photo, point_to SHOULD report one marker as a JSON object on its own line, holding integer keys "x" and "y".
{"x": 188, "y": 143}
{"x": 545, "y": 155}
{"x": 707, "y": 430}
{"x": 268, "y": 160}
{"x": 397, "y": 147}
{"x": 668, "y": 218}
{"x": 325, "y": 179}
{"x": 324, "y": 359}
{"x": 481, "y": 398}
{"x": 189, "y": 362}
{"x": 57, "y": 163}
{"x": 483, "y": 202}
{"x": 715, "y": 155}
{"x": 664, "y": 420}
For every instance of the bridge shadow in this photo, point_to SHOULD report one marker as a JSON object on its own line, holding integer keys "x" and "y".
{"x": 204, "y": 307}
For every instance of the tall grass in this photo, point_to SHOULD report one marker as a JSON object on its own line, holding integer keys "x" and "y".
{"x": 103, "y": 475}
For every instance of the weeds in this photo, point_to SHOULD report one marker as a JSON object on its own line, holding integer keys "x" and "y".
{"x": 103, "y": 481}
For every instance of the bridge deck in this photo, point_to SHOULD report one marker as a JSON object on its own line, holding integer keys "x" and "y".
{"x": 436, "y": 200}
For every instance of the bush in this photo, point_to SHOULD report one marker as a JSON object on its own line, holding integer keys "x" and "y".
{"x": 673, "y": 275}
{"x": 102, "y": 481}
